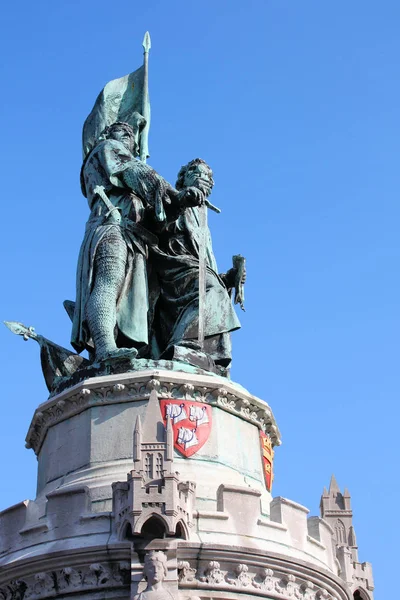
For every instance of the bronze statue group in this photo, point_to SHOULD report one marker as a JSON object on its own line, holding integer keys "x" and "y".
{"x": 137, "y": 290}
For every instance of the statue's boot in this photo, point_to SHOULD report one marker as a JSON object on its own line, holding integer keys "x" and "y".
{"x": 117, "y": 353}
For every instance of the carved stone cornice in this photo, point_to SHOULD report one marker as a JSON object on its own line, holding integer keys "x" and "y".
{"x": 132, "y": 387}
{"x": 208, "y": 569}
{"x": 247, "y": 571}
{"x": 97, "y": 576}
{"x": 67, "y": 572}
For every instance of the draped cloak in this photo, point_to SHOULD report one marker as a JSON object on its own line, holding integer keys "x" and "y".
{"x": 104, "y": 166}
{"x": 177, "y": 309}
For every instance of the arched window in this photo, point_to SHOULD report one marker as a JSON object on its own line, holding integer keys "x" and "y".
{"x": 180, "y": 531}
{"x": 127, "y": 533}
{"x": 159, "y": 466}
{"x": 148, "y": 466}
{"x": 360, "y": 595}
{"x": 154, "y": 528}
{"x": 340, "y": 532}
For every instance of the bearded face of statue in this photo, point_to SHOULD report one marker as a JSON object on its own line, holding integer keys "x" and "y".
{"x": 121, "y": 135}
{"x": 198, "y": 175}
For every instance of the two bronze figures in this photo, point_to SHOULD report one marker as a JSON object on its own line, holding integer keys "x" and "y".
{"x": 147, "y": 283}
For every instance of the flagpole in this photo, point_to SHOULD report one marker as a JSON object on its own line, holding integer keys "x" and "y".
{"x": 145, "y": 98}
{"x": 202, "y": 273}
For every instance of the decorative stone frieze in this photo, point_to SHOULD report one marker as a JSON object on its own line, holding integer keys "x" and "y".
{"x": 50, "y": 584}
{"x": 135, "y": 387}
{"x": 277, "y": 582}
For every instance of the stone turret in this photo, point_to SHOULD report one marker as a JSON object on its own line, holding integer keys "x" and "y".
{"x": 336, "y": 511}
{"x": 153, "y": 500}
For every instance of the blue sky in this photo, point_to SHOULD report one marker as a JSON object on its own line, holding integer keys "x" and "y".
{"x": 295, "y": 105}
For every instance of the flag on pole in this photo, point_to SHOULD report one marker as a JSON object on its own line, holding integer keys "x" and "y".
{"x": 118, "y": 101}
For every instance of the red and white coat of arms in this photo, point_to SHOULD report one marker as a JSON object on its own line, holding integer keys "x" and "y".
{"x": 191, "y": 424}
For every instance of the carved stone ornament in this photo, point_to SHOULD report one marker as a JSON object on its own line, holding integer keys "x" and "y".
{"x": 242, "y": 579}
{"x": 213, "y": 573}
{"x": 307, "y": 589}
{"x": 323, "y": 595}
{"x": 287, "y": 586}
{"x": 70, "y": 579}
{"x": 185, "y": 573}
{"x": 130, "y": 387}
{"x": 265, "y": 581}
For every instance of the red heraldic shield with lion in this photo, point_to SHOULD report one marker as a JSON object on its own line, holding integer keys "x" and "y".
{"x": 191, "y": 424}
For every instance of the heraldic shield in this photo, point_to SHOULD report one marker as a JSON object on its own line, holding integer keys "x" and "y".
{"x": 267, "y": 457}
{"x": 191, "y": 424}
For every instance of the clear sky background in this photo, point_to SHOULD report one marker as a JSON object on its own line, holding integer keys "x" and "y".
{"x": 295, "y": 104}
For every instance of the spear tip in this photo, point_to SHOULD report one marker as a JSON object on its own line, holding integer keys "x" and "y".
{"x": 20, "y": 329}
{"x": 146, "y": 42}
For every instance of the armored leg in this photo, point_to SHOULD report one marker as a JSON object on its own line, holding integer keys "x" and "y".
{"x": 109, "y": 275}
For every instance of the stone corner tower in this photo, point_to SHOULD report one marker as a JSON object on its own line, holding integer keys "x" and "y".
{"x": 336, "y": 510}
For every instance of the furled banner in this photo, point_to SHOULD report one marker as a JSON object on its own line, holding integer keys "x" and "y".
{"x": 119, "y": 100}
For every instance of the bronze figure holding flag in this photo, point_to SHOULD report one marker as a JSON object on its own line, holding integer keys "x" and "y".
{"x": 148, "y": 287}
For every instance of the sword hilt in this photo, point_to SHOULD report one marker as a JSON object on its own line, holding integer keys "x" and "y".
{"x": 99, "y": 190}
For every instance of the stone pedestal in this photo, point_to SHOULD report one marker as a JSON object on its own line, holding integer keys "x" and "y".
{"x": 88, "y": 530}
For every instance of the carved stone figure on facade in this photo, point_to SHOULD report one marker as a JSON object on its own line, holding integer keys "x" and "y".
{"x": 176, "y": 260}
{"x": 155, "y": 571}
